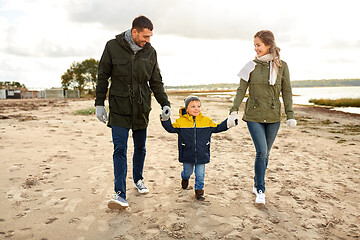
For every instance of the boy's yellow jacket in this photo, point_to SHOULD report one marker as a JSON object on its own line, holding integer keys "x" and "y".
{"x": 194, "y": 136}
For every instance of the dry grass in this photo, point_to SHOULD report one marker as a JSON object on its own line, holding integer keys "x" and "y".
{"x": 342, "y": 102}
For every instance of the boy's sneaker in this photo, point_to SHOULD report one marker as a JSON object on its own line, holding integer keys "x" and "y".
{"x": 141, "y": 186}
{"x": 260, "y": 197}
{"x": 117, "y": 203}
{"x": 199, "y": 194}
{"x": 184, "y": 183}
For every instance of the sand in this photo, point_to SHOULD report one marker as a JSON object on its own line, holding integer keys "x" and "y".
{"x": 57, "y": 175}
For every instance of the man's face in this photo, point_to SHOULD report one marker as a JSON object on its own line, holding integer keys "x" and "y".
{"x": 141, "y": 38}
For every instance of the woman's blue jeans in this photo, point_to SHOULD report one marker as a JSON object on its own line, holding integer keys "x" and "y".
{"x": 263, "y": 136}
{"x": 120, "y": 137}
{"x": 188, "y": 169}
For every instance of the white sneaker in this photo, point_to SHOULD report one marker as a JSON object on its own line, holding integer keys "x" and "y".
{"x": 260, "y": 197}
{"x": 140, "y": 185}
{"x": 117, "y": 203}
{"x": 255, "y": 190}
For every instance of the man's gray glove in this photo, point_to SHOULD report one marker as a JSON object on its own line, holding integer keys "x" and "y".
{"x": 233, "y": 119}
{"x": 101, "y": 113}
{"x": 165, "y": 114}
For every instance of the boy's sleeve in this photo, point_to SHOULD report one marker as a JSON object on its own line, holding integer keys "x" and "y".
{"x": 168, "y": 126}
{"x": 220, "y": 127}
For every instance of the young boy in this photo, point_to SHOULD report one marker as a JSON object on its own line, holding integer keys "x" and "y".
{"x": 194, "y": 134}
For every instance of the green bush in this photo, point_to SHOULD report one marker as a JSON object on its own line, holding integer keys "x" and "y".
{"x": 342, "y": 102}
{"x": 87, "y": 111}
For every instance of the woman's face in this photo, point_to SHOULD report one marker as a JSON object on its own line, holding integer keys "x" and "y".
{"x": 260, "y": 48}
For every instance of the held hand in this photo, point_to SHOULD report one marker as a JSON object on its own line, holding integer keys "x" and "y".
{"x": 165, "y": 114}
{"x": 101, "y": 113}
{"x": 232, "y": 120}
{"x": 290, "y": 123}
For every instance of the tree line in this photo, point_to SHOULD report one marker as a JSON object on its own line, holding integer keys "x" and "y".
{"x": 12, "y": 85}
{"x": 81, "y": 76}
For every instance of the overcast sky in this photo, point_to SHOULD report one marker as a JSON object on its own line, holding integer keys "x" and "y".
{"x": 197, "y": 41}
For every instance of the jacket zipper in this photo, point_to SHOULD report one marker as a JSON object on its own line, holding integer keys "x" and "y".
{"x": 195, "y": 141}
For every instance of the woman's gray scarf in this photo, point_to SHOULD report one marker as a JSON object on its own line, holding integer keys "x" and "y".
{"x": 134, "y": 47}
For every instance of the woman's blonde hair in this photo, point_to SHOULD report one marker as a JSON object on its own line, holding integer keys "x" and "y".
{"x": 267, "y": 37}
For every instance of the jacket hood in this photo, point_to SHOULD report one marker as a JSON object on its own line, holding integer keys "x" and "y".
{"x": 120, "y": 38}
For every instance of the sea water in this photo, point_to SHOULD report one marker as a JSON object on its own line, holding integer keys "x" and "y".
{"x": 303, "y": 95}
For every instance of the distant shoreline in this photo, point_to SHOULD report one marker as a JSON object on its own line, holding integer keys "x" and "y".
{"x": 294, "y": 84}
{"x": 34, "y": 103}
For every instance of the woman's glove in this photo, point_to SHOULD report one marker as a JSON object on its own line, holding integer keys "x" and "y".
{"x": 165, "y": 114}
{"x": 290, "y": 123}
{"x": 232, "y": 120}
{"x": 101, "y": 113}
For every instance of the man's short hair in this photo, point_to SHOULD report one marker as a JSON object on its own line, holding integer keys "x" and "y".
{"x": 142, "y": 22}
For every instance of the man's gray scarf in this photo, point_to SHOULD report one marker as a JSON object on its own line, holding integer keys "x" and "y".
{"x": 134, "y": 47}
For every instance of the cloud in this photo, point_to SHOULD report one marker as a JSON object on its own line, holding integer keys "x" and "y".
{"x": 40, "y": 39}
{"x": 201, "y": 19}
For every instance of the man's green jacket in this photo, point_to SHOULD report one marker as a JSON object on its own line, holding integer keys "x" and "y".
{"x": 133, "y": 78}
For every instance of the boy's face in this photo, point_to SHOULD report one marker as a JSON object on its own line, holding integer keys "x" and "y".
{"x": 194, "y": 108}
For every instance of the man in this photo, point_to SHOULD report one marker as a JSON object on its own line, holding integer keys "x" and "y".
{"x": 131, "y": 62}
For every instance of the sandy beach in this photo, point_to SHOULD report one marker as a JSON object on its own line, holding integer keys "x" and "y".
{"x": 57, "y": 175}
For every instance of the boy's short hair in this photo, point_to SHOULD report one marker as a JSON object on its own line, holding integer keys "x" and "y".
{"x": 190, "y": 98}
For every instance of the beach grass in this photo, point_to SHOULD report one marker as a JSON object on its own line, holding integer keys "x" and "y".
{"x": 342, "y": 102}
{"x": 87, "y": 111}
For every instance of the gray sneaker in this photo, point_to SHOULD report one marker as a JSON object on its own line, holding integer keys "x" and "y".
{"x": 117, "y": 203}
{"x": 140, "y": 185}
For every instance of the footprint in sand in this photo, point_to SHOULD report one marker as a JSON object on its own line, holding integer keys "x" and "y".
{"x": 50, "y": 191}
{"x": 97, "y": 173}
{"x": 70, "y": 180}
{"x": 56, "y": 202}
{"x": 16, "y": 194}
{"x": 103, "y": 226}
{"x": 86, "y": 222}
{"x": 16, "y": 167}
{"x": 72, "y": 204}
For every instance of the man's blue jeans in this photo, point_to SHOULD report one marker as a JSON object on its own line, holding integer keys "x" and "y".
{"x": 199, "y": 174}
{"x": 120, "y": 137}
{"x": 263, "y": 136}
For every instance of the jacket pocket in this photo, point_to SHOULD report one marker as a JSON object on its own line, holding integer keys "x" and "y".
{"x": 181, "y": 149}
{"x": 252, "y": 106}
{"x": 275, "y": 109}
{"x": 146, "y": 100}
{"x": 120, "y": 68}
{"x": 119, "y": 102}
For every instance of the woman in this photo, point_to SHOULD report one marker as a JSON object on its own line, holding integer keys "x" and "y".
{"x": 266, "y": 77}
